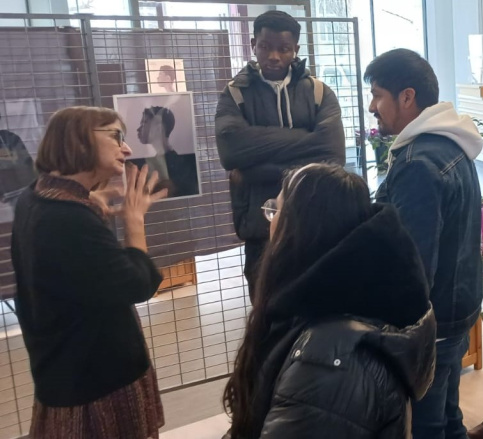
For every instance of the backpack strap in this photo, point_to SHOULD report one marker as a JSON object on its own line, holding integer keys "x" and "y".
{"x": 237, "y": 96}
{"x": 236, "y": 93}
{"x": 318, "y": 91}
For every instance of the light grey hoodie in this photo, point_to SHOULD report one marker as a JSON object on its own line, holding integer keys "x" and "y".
{"x": 278, "y": 87}
{"x": 442, "y": 119}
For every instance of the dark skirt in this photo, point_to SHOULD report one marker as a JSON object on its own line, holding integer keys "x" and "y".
{"x": 133, "y": 412}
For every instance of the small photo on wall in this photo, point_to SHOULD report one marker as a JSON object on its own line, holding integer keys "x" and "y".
{"x": 161, "y": 133}
{"x": 165, "y": 75}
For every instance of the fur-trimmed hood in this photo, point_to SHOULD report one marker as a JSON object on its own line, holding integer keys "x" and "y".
{"x": 375, "y": 272}
{"x": 375, "y": 279}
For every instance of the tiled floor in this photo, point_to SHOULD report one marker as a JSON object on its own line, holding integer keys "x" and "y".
{"x": 193, "y": 331}
{"x": 471, "y": 395}
{"x": 211, "y": 428}
{"x": 193, "y": 404}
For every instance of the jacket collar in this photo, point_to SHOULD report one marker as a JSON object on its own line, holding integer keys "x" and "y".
{"x": 443, "y": 120}
{"x": 251, "y": 72}
{"x": 409, "y": 350}
{"x": 62, "y": 189}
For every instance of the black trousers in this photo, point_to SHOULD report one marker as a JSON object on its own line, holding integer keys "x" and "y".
{"x": 253, "y": 253}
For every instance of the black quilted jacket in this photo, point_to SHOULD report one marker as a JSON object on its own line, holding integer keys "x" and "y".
{"x": 252, "y": 144}
{"x": 352, "y": 340}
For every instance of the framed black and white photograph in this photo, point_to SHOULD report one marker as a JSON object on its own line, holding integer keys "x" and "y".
{"x": 161, "y": 134}
{"x": 165, "y": 75}
{"x": 19, "y": 138}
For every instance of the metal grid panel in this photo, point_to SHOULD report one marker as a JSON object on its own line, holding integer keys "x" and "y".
{"x": 193, "y": 330}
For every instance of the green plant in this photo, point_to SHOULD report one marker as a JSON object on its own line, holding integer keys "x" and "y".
{"x": 479, "y": 125}
{"x": 380, "y": 144}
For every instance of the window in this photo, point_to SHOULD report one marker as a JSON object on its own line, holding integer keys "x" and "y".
{"x": 101, "y": 7}
{"x": 399, "y": 24}
{"x": 194, "y": 10}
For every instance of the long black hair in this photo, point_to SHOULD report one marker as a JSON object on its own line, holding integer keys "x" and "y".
{"x": 322, "y": 204}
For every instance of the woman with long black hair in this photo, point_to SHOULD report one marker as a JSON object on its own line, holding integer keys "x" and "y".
{"x": 342, "y": 333}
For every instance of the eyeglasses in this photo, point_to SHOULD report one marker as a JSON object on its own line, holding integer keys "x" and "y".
{"x": 270, "y": 209}
{"x": 119, "y": 136}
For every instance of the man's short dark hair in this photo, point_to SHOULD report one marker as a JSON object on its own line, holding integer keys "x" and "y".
{"x": 277, "y": 21}
{"x": 169, "y": 70}
{"x": 399, "y": 69}
{"x": 167, "y": 117}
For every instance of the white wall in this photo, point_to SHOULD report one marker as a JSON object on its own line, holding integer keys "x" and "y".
{"x": 439, "y": 15}
{"x": 449, "y": 22}
{"x": 466, "y": 21}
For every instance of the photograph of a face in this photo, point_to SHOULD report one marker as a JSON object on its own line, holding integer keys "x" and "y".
{"x": 165, "y": 75}
{"x": 161, "y": 134}
{"x": 19, "y": 136}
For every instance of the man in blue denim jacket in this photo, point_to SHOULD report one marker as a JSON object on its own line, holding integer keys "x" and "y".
{"x": 433, "y": 182}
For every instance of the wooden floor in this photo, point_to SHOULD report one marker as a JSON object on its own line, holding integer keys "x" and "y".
{"x": 200, "y": 407}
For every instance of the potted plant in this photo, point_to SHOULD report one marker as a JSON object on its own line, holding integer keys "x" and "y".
{"x": 380, "y": 145}
{"x": 479, "y": 125}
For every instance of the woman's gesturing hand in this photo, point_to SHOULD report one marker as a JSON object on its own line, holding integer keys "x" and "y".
{"x": 137, "y": 201}
{"x": 139, "y": 191}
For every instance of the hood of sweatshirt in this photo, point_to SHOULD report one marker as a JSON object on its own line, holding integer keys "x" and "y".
{"x": 442, "y": 119}
{"x": 252, "y": 72}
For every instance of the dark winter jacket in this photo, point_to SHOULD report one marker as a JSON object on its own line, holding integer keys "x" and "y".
{"x": 351, "y": 341}
{"x": 252, "y": 143}
{"x": 434, "y": 185}
{"x": 76, "y": 287}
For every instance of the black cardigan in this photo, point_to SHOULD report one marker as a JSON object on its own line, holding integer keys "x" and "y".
{"x": 76, "y": 287}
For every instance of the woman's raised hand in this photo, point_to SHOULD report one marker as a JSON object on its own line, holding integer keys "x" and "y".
{"x": 139, "y": 191}
{"x": 138, "y": 198}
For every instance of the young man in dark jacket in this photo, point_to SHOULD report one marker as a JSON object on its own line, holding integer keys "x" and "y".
{"x": 269, "y": 119}
{"x": 433, "y": 182}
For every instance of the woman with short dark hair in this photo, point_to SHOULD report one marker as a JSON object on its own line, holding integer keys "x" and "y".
{"x": 77, "y": 286}
{"x": 342, "y": 333}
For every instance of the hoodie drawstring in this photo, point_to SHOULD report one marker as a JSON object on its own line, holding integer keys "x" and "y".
{"x": 289, "y": 111}
{"x": 279, "y": 105}
{"x": 277, "y": 87}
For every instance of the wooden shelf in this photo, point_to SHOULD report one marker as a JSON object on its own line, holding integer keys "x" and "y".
{"x": 179, "y": 274}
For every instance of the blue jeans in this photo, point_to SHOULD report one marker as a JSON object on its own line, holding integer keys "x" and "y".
{"x": 437, "y": 415}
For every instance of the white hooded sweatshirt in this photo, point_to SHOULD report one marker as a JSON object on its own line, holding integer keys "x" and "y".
{"x": 442, "y": 119}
